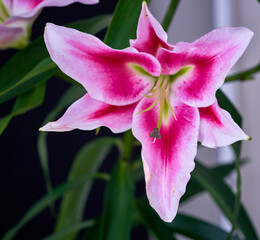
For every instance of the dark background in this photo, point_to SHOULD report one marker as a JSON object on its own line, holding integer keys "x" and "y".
{"x": 21, "y": 177}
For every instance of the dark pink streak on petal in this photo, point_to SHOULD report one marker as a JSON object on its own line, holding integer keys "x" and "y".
{"x": 108, "y": 75}
{"x": 150, "y": 34}
{"x": 88, "y": 114}
{"x": 167, "y": 161}
{"x": 217, "y": 128}
{"x": 211, "y": 58}
{"x": 102, "y": 62}
{"x": 211, "y": 115}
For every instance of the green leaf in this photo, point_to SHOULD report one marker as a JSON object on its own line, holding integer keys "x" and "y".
{"x": 224, "y": 198}
{"x": 70, "y": 230}
{"x": 24, "y": 103}
{"x": 44, "y": 202}
{"x": 118, "y": 205}
{"x": 36, "y": 76}
{"x": 152, "y": 221}
{"x": 88, "y": 160}
{"x": 71, "y": 95}
{"x": 170, "y": 14}
{"x": 91, "y": 233}
{"x": 245, "y": 75}
{"x": 38, "y": 66}
{"x": 194, "y": 187}
{"x": 197, "y": 229}
{"x": 185, "y": 225}
{"x": 120, "y": 31}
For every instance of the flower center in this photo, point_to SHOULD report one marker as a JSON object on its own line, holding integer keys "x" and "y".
{"x": 161, "y": 93}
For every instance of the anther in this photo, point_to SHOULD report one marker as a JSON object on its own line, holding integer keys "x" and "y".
{"x": 155, "y": 133}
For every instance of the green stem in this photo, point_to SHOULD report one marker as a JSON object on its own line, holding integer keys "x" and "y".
{"x": 170, "y": 14}
{"x": 237, "y": 149}
{"x": 245, "y": 75}
{"x": 127, "y": 147}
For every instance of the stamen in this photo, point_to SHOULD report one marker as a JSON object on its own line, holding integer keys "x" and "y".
{"x": 150, "y": 96}
{"x": 151, "y": 107}
{"x": 169, "y": 105}
{"x": 162, "y": 101}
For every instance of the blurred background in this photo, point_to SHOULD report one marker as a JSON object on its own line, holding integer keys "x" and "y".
{"x": 21, "y": 177}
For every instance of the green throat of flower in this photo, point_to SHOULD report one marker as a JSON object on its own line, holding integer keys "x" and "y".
{"x": 161, "y": 94}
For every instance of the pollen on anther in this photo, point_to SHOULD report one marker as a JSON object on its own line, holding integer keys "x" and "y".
{"x": 155, "y": 134}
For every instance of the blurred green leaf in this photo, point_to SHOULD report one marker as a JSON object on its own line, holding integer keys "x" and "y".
{"x": 185, "y": 225}
{"x": 24, "y": 103}
{"x": 224, "y": 198}
{"x": 71, "y": 95}
{"x": 33, "y": 65}
{"x": 152, "y": 221}
{"x": 70, "y": 230}
{"x": 170, "y": 14}
{"x": 197, "y": 229}
{"x": 182, "y": 224}
{"x": 194, "y": 187}
{"x": 91, "y": 233}
{"x": 118, "y": 205}
{"x": 37, "y": 75}
{"x": 44, "y": 202}
{"x": 120, "y": 31}
{"x": 87, "y": 161}
{"x": 245, "y": 75}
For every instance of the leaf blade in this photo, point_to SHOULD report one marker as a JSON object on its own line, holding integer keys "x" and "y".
{"x": 24, "y": 103}
{"x": 225, "y": 199}
{"x": 44, "y": 202}
{"x": 119, "y": 196}
{"x": 72, "y": 206}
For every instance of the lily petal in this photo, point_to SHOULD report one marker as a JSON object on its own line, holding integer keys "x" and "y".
{"x": 210, "y": 59}
{"x": 168, "y": 161}
{"x": 88, "y": 114}
{"x": 117, "y": 77}
{"x": 217, "y": 128}
{"x": 150, "y": 34}
{"x": 29, "y": 8}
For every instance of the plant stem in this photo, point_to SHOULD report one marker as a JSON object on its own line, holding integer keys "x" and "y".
{"x": 170, "y": 14}
{"x": 127, "y": 149}
{"x": 237, "y": 149}
{"x": 246, "y": 75}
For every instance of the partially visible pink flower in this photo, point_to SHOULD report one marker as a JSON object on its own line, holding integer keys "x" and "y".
{"x": 165, "y": 93}
{"x": 17, "y": 16}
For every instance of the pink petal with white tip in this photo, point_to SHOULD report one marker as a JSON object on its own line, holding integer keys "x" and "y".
{"x": 210, "y": 59}
{"x": 117, "y": 77}
{"x": 88, "y": 114}
{"x": 217, "y": 128}
{"x": 168, "y": 161}
{"x": 150, "y": 34}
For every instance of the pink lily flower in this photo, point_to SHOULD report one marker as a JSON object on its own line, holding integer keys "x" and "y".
{"x": 17, "y": 17}
{"x": 165, "y": 93}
